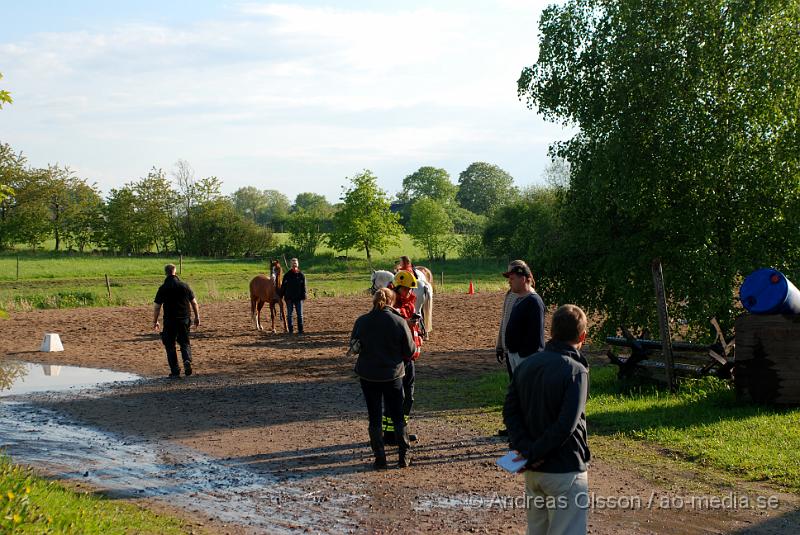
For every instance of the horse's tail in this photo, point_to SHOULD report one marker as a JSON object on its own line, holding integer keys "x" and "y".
{"x": 427, "y": 273}
{"x": 427, "y": 310}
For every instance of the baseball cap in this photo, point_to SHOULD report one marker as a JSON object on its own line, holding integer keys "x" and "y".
{"x": 519, "y": 267}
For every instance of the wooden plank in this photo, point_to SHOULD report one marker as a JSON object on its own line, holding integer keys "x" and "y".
{"x": 676, "y": 365}
{"x": 663, "y": 322}
{"x": 657, "y": 344}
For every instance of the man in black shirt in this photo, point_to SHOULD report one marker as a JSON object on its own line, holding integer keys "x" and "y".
{"x": 176, "y": 297}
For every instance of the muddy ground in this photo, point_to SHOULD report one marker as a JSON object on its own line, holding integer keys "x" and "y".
{"x": 288, "y": 407}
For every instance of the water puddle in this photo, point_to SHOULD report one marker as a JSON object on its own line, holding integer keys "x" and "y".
{"x": 26, "y": 378}
{"x": 131, "y": 467}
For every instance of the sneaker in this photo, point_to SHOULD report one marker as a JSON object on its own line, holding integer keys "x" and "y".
{"x": 380, "y": 463}
{"x": 404, "y": 461}
{"x": 174, "y": 376}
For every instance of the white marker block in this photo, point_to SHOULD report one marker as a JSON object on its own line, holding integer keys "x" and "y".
{"x": 51, "y": 342}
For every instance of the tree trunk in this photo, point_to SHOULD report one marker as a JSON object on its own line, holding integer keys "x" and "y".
{"x": 369, "y": 256}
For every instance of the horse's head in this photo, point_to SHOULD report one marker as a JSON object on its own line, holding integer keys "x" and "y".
{"x": 372, "y": 287}
{"x": 380, "y": 279}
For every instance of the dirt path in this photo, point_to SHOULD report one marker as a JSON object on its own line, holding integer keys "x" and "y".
{"x": 289, "y": 408}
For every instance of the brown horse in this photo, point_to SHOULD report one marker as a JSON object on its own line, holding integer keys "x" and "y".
{"x": 267, "y": 290}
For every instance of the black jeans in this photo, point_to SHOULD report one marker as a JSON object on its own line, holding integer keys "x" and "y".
{"x": 408, "y": 402}
{"x": 177, "y": 330}
{"x": 391, "y": 393}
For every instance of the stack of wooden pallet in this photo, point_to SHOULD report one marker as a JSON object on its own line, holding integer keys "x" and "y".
{"x": 768, "y": 358}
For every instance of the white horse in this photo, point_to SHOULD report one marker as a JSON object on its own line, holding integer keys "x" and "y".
{"x": 424, "y": 292}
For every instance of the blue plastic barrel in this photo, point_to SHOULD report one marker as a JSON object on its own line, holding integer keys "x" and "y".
{"x": 768, "y": 291}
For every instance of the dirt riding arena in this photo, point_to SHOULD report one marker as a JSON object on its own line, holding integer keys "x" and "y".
{"x": 288, "y": 409}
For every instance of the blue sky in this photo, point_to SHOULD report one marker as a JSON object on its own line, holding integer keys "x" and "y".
{"x": 289, "y": 96}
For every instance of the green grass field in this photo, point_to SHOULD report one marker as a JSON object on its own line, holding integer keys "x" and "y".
{"x": 50, "y": 280}
{"x": 703, "y": 423}
{"x": 30, "y": 504}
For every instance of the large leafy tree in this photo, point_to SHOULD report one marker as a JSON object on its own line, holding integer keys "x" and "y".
{"x": 12, "y": 167}
{"x": 312, "y": 202}
{"x": 56, "y": 183}
{"x": 219, "y": 230}
{"x": 124, "y": 230}
{"x": 28, "y": 219}
{"x": 248, "y": 201}
{"x": 364, "y": 220}
{"x": 483, "y": 187}
{"x": 157, "y": 204}
{"x": 275, "y": 211}
{"x": 42, "y": 203}
{"x": 305, "y": 230}
{"x": 428, "y": 182}
{"x": 528, "y": 228}
{"x": 311, "y": 214}
{"x": 687, "y": 148}
{"x": 192, "y": 191}
{"x": 83, "y": 220}
{"x": 431, "y": 228}
{"x": 74, "y": 207}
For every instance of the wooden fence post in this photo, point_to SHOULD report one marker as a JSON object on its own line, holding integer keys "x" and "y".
{"x": 180, "y": 265}
{"x": 17, "y": 266}
{"x": 108, "y": 287}
{"x": 663, "y": 323}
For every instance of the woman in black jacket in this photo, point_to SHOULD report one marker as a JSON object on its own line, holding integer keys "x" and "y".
{"x": 386, "y": 342}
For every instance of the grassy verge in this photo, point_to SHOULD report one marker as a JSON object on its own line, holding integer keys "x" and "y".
{"x": 49, "y": 280}
{"x": 33, "y": 505}
{"x": 702, "y": 424}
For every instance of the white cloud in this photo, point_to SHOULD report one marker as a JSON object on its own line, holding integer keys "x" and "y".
{"x": 278, "y": 82}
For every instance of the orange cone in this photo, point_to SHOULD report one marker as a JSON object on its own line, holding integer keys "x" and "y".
{"x": 471, "y": 290}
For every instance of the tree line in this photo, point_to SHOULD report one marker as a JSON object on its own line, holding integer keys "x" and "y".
{"x": 177, "y": 211}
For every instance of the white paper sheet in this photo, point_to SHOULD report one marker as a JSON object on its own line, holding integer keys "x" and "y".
{"x": 507, "y": 463}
